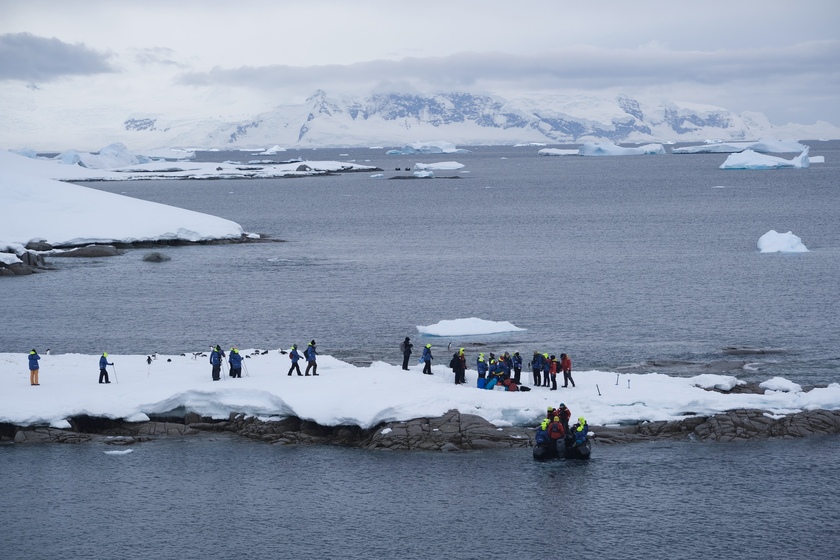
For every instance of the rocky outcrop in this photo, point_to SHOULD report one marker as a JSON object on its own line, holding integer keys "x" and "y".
{"x": 451, "y": 432}
{"x": 156, "y": 257}
{"x": 90, "y": 251}
{"x": 728, "y": 426}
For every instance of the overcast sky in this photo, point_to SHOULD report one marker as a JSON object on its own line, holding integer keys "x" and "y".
{"x": 212, "y": 58}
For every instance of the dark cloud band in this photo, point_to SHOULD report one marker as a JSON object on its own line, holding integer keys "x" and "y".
{"x": 26, "y": 57}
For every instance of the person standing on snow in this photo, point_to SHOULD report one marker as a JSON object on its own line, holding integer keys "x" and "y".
{"x": 459, "y": 366}
{"x": 481, "y": 366}
{"x": 546, "y": 364}
{"x": 536, "y": 366}
{"x": 33, "y": 367}
{"x": 517, "y": 367}
{"x": 310, "y": 355}
{"x": 566, "y": 366}
{"x": 235, "y": 361}
{"x": 103, "y": 371}
{"x": 427, "y": 359}
{"x": 294, "y": 355}
{"x": 216, "y": 361}
{"x": 405, "y": 348}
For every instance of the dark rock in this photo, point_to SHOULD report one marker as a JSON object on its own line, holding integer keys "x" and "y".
{"x": 91, "y": 251}
{"x": 40, "y": 245}
{"x": 156, "y": 257}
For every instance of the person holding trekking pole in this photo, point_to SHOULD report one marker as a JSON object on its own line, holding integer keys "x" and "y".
{"x": 103, "y": 371}
{"x": 216, "y": 361}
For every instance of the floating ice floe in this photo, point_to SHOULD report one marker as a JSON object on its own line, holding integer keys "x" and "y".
{"x": 610, "y": 149}
{"x": 467, "y": 327}
{"x": 775, "y": 242}
{"x": 749, "y": 159}
{"x": 765, "y": 146}
{"x": 119, "y": 452}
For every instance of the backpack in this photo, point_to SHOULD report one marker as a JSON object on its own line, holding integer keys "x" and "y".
{"x": 453, "y": 363}
{"x": 402, "y": 347}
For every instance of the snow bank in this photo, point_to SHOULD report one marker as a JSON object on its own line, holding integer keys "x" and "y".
{"x": 467, "y": 327}
{"x": 610, "y": 149}
{"x": 781, "y": 384}
{"x": 69, "y": 387}
{"x": 749, "y": 159}
{"x": 74, "y": 215}
{"x": 765, "y": 146}
{"x": 775, "y": 242}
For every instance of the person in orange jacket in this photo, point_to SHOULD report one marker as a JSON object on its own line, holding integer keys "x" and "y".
{"x": 566, "y": 366}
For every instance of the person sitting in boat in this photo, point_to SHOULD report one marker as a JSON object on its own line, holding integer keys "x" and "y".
{"x": 542, "y": 433}
{"x": 555, "y": 430}
{"x": 580, "y": 431}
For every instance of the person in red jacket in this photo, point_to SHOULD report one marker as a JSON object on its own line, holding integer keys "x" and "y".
{"x": 552, "y": 371}
{"x": 555, "y": 430}
{"x": 566, "y": 366}
{"x": 564, "y": 414}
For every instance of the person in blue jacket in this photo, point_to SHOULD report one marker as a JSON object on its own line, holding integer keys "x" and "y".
{"x": 493, "y": 375}
{"x": 517, "y": 367}
{"x": 537, "y": 366}
{"x": 481, "y": 366}
{"x": 310, "y": 355}
{"x": 235, "y": 361}
{"x": 427, "y": 359}
{"x": 504, "y": 369}
{"x": 546, "y": 365}
{"x": 103, "y": 371}
{"x": 216, "y": 361}
{"x": 294, "y": 355}
{"x": 33, "y": 367}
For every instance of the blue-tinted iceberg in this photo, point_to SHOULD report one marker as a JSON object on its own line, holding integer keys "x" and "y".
{"x": 610, "y": 149}
{"x": 764, "y": 146}
{"x": 751, "y": 160}
{"x": 775, "y": 242}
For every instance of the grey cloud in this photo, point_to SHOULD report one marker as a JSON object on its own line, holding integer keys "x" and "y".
{"x": 584, "y": 68}
{"x": 156, "y": 56}
{"x": 24, "y": 56}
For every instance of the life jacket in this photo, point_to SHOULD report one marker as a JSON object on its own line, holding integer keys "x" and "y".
{"x": 556, "y": 431}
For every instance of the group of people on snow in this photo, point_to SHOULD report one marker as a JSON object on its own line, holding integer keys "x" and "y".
{"x": 505, "y": 370}
{"x": 235, "y": 361}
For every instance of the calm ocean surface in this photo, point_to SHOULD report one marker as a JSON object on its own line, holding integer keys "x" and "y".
{"x": 613, "y": 260}
{"x": 211, "y": 497}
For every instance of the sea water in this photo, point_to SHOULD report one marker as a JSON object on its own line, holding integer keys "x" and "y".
{"x": 613, "y": 260}
{"x": 222, "y": 497}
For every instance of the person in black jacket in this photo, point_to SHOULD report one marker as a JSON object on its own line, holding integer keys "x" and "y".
{"x": 406, "y": 347}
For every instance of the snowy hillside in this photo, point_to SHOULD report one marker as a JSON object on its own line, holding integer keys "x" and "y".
{"x": 396, "y": 119}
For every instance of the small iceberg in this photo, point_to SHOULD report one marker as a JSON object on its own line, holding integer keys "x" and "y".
{"x": 428, "y": 147}
{"x": 120, "y": 452}
{"x": 467, "y": 327}
{"x": 764, "y": 146}
{"x": 781, "y": 384}
{"x": 775, "y": 242}
{"x": 557, "y": 152}
{"x": 749, "y": 159}
{"x": 439, "y": 166}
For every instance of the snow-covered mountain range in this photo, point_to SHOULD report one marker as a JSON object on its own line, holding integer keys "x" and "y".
{"x": 463, "y": 118}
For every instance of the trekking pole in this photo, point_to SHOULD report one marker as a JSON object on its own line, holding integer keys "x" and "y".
{"x": 246, "y": 369}
{"x": 115, "y": 373}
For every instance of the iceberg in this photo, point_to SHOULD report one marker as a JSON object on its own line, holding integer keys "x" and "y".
{"x": 467, "y": 327}
{"x": 110, "y": 157}
{"x": 775, "y": 242}
{"x": 764, "y": 146}
{"x": 610, "y": 149}
{"x": 439, "y": 166}
{"x": 781, "y": 384}
{"x": 558, "y": 152}
{"x": 749, "y": 159}
{"x": 430, "y": 147}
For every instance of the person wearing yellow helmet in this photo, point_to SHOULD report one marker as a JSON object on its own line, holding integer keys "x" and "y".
{"x": 33, "y": 367}
{"x": 235, "y": 361}
{"x": 294, "y": 355}
{"x": 546, "y": 365}
{"x": 459, "y": 366}
{"x": 103, "y": 364}
{"x": 427, "y": 358}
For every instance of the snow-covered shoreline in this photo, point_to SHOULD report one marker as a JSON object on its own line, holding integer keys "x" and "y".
{"x": 344, "y": 394}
